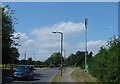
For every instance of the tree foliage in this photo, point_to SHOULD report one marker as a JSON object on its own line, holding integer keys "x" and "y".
{"x": 54, "y": 59}
{"x": 78, "y": 58}
{"x": 105, "y": 65}
{"x": 9, "y": 52}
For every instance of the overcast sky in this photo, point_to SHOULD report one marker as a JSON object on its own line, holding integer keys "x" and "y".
{"x": 37, "y": 21}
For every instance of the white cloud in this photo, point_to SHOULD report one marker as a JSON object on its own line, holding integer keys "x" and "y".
{"x": 29, "y": 43}
{"x": 93, "y": 46}
{"x": 21, "y": 35}
{"x": 43, "y": 51}
{"x": 96, "y": 43}
{"x": 68, "y": 28}
{"x": 50, "y": 45}
{"x": 45, "y": 40}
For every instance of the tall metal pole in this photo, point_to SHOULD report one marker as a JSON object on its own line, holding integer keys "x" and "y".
{"x": 61, "y": 66}
{"x": 64, "y": 55}
{"x": 86, "y": 66}
{"x": 64, "y": 59}
{"x": 61, "y": 51}
{"x": 25, "y": 55}
{"x": 34, "y": 56}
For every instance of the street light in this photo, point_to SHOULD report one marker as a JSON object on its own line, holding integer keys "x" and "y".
{"x": 86, "y": 66}
{"x": 61, "y": 47}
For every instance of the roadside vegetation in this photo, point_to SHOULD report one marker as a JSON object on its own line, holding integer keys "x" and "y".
{"x": 10, "y": 52}
{"x": 56, "y": 78}
{"x": 105, "y": 65}
{"x": 80, "y": 76}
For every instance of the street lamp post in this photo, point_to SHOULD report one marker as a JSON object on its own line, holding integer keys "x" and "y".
{"x": 61, "y": 48}
{"x": 86, "y": 66}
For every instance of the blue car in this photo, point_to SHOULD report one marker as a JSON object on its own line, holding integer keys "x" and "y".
{"x": 25, "y": 72}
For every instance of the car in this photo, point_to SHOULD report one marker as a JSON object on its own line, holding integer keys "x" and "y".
{"x": 25, "y": 72}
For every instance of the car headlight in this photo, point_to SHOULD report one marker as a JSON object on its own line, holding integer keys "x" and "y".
{"x": 15, "y": 75}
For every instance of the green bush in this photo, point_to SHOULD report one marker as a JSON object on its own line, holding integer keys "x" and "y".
{"x": 105, "y": 64}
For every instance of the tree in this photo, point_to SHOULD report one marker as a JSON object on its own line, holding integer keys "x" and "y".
{"x": 113, "y": 63}
{"x": 54, "y": 59}
{"x": 8, "y": 50}
{"x": 71, "y": 60}
{"x": 23, "y": 62}
{"x": 105, "y": 65}
{"x": 37, "y": 62}
{"x": 14, "y": 55}
{"x": 78, "y": 58}
{"x": 89, "y": 56}
{"x": 30, "y": 61}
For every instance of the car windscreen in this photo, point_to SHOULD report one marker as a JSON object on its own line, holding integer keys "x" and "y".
{"x": 22, "y": 68}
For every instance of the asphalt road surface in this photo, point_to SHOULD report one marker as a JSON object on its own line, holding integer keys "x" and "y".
{"x": 40, "y": 76}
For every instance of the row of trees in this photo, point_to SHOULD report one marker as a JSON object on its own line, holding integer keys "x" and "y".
{"x": 78, "y": 59}
{"x": 54, "y": 59}
{"x": 105, "y": 64}
{"x": 30, "y": 61}
{"x": 10, "y": 53}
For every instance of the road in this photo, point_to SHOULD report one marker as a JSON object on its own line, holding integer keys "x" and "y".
{"x": 40, "y": 76}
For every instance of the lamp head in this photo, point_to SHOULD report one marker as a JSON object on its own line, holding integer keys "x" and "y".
{"x": 53, "y": 32}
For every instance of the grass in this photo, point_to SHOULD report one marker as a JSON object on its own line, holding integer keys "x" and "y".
{"x": 57, "y": 78}
{"x": 41, "y": 68}
{"x": 80, "y": 76}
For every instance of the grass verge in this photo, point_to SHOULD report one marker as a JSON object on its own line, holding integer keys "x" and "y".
{"x": 79, "y": 75}
{"x": 56, "y": 79}
{"x": 41, "y": 68}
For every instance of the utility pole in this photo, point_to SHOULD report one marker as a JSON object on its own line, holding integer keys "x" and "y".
{"x": 64, "y": 55}
{"x": 61, "y": 52}
{"x": 86, "y": 66}
{"x": 64, "y": 58}
{"x": 25, "y": 56}
{"x": 34, "y": 56}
